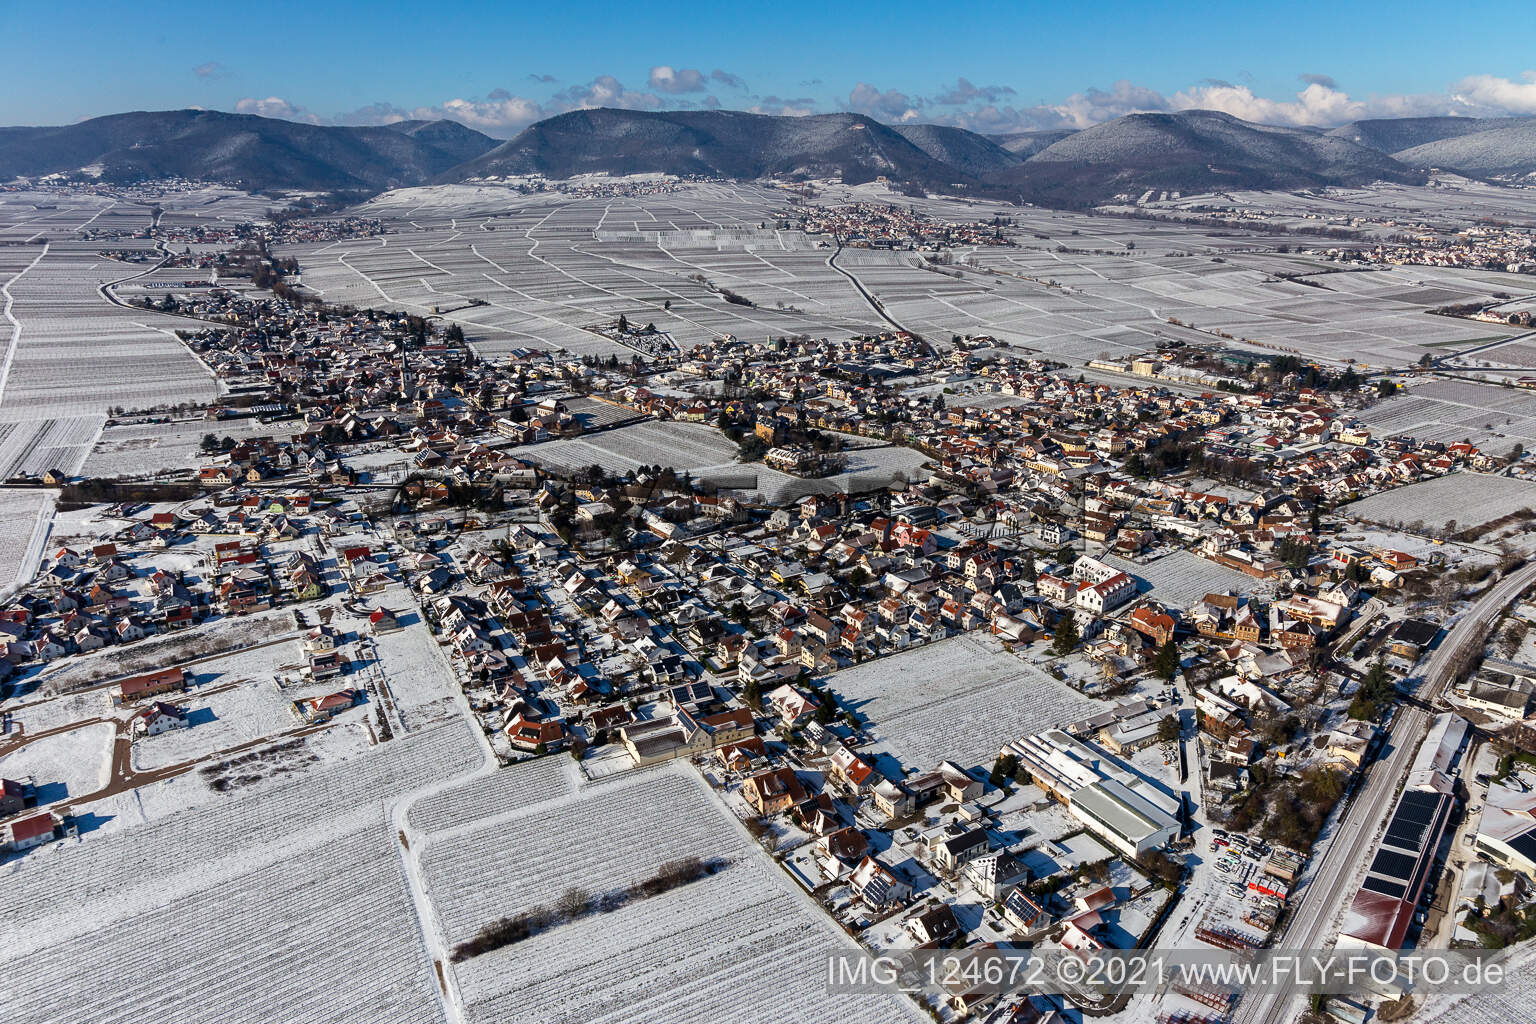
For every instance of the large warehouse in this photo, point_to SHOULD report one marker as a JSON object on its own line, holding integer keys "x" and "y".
{"x": 1382, "y": 911}
{"x": 1114, "y": 802}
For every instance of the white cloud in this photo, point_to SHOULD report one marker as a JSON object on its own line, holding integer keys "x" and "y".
{"x": 374, "y": 114}
{"x": 1095, "y": 105}
{"x": 963, "y": 92}
{"x": 499, "y": 112}
{"x": 1317, "y": 105}
{"x": 727, "y": 79}
{"x": 779, "y": 106}
{"x": 1491, "y": 95}
{"x": 889, "y": 105}
{"x": 1320, "y": 104}
{"x": 211, "y": 69}
{"x": 274, "y": 106}
{"x": 602, "y": 91}
{"x": 676, "y": 80}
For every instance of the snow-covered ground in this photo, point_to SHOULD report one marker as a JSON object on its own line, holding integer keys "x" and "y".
{"x": 250, "y": 710}
{"x": 1467, "y": 499}
{"x": 228, "y": 634}
{"x": 1181, "y": 578}
{"x": 279, "y": 903}
{"x": 419, "y": 678}
{"x": 743, "y": 944}
{"x": 25, "y": 517}
{"x": 66, "y": 765}
{"x": 961, "y": 699}
{"x": 40, "y": 715}
{"x": 510, "y": 789}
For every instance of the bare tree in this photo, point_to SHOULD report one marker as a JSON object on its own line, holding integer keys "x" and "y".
{"x": 574, "y": 902}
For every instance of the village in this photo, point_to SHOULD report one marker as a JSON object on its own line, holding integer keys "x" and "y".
{"x": 983, "y": 649}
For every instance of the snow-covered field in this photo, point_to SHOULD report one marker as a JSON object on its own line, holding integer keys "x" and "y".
{"x": 250, "y": 710}
{"x": 34, "y": 446}
{"x": 959, "y": 699}
{"x": 1468, "y": 499}
{"x": 136, "y": 449}
{"x": 25, "y": 516}
{"x": 1492, "y": 417}
{"x": 1181, "y": 578}
{"x": 513, "y": 788}
{"x": 421, "y": 683}
{"x": 695, "y": 447}
{"x": 77, "y": 354}
{"x": 66, "y": 765}
{"x": 281, "y": 903}
{"x": 324, "y": 933}
{"x": 155, "y": 652}
{"x": 607, "y": 836}
{"x": 49, "y": 714}
{"x": 743, "y": 944}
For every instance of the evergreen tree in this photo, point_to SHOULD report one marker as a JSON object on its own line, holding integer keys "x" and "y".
{"x": 1066, "y": 635}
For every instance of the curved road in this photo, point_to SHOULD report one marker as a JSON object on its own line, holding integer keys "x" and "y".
{"x": 1329, "y": 884}
{"x": 874, "y": 303}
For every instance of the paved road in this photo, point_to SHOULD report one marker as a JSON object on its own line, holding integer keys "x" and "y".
{"x": 874, "y": 303}
{"x": 1315, "y": 918}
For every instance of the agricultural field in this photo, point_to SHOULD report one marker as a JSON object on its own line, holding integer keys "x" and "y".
{"x": 1492, "y": 417}
{"x": 959, "y": 698}
{"x": 69, "y": 351}
{"x": 1467, "y": 499}
{"x": 1493, "y": 1004}
{"x": 694, "y": 953}
{"x": 287, "y": 901}
{"x": 692, "y": 447}
{"x": 510, "y": 789}
{"x": 1181, "y": 578}
{"x": 538, "y": 271}
{"x": 144, "y": 449}
{"x": 326, "y": 932}
{"x": 25, "y": 516}
{"x": 32, "y": 447}
{"x": 77, "y": 354}
{"x": 642, "y": 821}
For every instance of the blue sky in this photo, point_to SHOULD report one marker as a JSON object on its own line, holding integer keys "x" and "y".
{"x": 989, "y": 66}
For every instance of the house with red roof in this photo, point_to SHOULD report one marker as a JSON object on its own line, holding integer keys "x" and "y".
{"x": 33, "y": 830}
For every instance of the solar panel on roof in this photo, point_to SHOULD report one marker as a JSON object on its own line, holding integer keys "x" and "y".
{"x": 1405, "y": 835}
{"x": 1419, "y": 806}
{"x": 1385, "y": 887}
{"x": 1415, "y": 814}
{"x": 1391, "y": 864}
{"x": 1525, "y": 844}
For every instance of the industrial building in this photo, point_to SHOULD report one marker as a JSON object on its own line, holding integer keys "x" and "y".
{"x": 1112, "y": 801}
{"x": 1396, "y": 881}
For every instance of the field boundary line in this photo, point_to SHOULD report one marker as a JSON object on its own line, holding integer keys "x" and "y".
{"x": 10, "y": 350}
